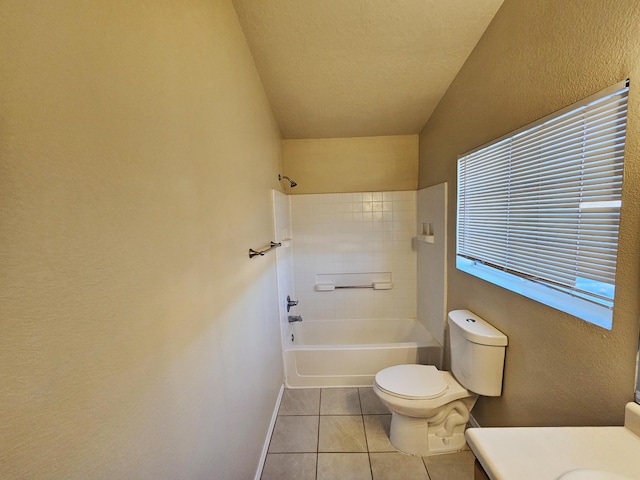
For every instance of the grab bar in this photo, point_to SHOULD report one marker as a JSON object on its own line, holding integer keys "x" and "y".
{"x": 272, "y": 245}
{"x": 330, "y": 287}
{"x": 353, "y": 286}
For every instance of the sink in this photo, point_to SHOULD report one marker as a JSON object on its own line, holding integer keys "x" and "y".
{"x": 590, "y": 474}
{"x": 561, "y": 453}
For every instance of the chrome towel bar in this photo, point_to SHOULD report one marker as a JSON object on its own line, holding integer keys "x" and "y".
{"x": 272, "y": 245}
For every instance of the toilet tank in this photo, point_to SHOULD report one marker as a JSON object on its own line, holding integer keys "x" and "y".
{"x": 477, "y": 353}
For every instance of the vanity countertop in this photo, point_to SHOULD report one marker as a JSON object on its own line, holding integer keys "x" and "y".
{"x": 547, "y": 453}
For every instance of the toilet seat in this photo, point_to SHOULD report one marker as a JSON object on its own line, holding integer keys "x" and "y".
{"x": 412, "y": 381}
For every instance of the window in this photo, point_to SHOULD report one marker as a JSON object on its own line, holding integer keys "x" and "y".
{"x": 538, "y": 209}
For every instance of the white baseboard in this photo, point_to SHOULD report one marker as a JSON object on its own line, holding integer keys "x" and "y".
{"x": 265, "y": 447}
{"x": 473, "y": 422}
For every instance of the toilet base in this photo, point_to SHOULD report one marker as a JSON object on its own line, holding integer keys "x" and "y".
{"x": 442, "y": 433}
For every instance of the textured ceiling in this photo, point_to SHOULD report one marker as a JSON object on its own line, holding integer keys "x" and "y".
{"x": 350, "y": 68}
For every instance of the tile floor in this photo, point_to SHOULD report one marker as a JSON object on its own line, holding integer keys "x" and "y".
{"x": 343, "y": 433}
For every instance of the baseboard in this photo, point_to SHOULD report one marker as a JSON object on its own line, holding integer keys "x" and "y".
{"x": 473, "y": 422}
{"x": 265, "y": 447}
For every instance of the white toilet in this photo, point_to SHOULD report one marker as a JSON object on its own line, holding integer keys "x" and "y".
{"x": 430, "y": 408}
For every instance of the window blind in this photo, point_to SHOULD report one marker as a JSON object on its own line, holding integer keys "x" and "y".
{"x": 543, "y": 203}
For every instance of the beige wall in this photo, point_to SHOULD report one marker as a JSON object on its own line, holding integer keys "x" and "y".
{"x": 536, "y": 57}
{"x": 138, "y": 150}
{"x": 359, "y": 164}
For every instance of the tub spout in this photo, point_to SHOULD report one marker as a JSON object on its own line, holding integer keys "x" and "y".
{"x": 294, "y": 318}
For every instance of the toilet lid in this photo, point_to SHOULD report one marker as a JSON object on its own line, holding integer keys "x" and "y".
{"x": 424, "y": 381}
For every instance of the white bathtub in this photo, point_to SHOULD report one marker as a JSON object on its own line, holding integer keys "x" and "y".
{"x": 334, "y": 353}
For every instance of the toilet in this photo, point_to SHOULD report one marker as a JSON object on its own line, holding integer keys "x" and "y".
{"x": 430, "y": 408}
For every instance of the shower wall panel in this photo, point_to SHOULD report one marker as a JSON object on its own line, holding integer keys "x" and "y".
{"x": 355, "y": 233}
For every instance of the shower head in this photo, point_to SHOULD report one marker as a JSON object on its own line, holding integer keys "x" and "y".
{"x": 293, "y": 184}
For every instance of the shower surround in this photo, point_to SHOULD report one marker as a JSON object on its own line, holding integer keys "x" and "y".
{"x": 355, "y": 233}
{"x": 349, "y": 334}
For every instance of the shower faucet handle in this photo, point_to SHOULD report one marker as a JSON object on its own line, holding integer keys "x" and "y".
{"x": 291, "y": 303}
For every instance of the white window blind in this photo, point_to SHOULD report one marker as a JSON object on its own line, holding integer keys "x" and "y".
{"x": 542, "y": 205}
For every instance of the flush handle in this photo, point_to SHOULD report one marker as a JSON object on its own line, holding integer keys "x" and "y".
{"x": 291, "y": 303}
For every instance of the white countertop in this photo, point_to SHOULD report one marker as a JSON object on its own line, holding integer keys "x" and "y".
{"x": 546, "y": 453}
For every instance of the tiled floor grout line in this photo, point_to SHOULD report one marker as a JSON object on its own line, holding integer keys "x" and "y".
{"x": 366, "y": 438}
{"x": 318, "y": 440}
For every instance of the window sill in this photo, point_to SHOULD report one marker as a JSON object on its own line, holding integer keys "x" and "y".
{"x": 583, "y": 309}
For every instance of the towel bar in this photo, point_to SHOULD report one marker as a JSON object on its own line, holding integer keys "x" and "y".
{"x": 272, "y": 245}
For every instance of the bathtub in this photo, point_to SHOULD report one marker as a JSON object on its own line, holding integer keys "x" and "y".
{"x": 335, "y": 353}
